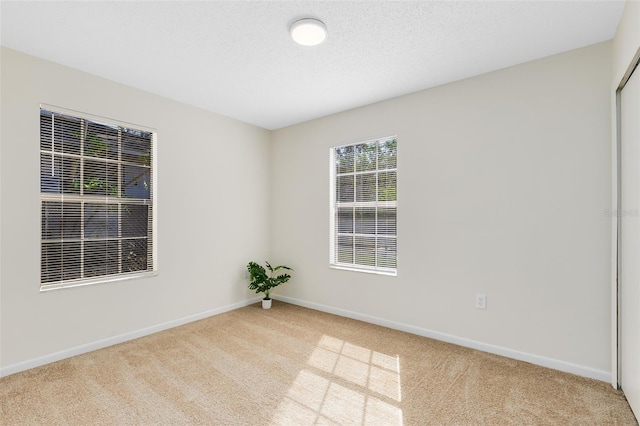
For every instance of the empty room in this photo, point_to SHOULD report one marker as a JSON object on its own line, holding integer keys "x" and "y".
{"x": 319, "y": 212}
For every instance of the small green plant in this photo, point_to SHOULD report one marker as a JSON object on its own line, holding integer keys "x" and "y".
{"x": 262, "y": 282}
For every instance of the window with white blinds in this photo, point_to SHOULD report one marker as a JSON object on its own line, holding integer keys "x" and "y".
{"x": 363, "y": 206}
{"x": 96, "y": 200}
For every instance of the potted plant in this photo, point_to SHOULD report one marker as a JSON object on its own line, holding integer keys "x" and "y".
{"x": 262, "y": 282}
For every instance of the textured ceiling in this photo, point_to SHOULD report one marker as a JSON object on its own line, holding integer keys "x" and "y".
{"x": 236, "y": 58}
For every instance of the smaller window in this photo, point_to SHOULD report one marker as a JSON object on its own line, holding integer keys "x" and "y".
{"x": 364, "y": 206}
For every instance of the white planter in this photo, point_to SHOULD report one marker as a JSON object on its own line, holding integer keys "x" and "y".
{"x": 266, "y": 303}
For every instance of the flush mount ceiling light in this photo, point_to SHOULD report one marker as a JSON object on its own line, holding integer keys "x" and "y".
{"x": 308, "y": 32}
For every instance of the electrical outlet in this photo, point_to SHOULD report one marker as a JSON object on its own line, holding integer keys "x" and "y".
{"x": 481, "y": 301}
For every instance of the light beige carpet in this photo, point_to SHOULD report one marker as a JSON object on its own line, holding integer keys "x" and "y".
{"x": 295, "y": 366}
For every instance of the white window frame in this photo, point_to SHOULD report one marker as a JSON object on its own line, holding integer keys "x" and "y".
{"x": 334, "y": 204}
{"x": 152, "y": 255}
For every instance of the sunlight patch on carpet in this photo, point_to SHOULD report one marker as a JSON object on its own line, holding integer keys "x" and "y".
{"x": 345, "y": 384}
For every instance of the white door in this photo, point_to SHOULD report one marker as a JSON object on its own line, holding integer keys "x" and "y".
{"x": 629, "y": 284}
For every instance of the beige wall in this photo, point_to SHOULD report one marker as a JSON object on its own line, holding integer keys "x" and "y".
{"x": 503, "y": 184}
{"x": 213, "y": 188}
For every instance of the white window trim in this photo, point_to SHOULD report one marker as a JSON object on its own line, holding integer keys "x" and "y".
{"x": 333, "y": 264}
{"x": 154, "y": 202}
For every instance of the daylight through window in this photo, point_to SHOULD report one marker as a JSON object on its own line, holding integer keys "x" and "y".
{"x": 363, "y": 204}
{"x": 96, "y": 200}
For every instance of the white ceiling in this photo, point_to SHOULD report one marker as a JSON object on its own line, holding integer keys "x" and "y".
{"x": 236, "y": 58}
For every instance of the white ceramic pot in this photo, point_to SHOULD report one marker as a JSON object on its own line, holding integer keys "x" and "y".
{"x": 266, "y": 303}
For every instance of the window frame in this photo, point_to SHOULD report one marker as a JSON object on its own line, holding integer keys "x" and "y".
{"x": 334, "y": 204}
{"x": 108, "y": 202}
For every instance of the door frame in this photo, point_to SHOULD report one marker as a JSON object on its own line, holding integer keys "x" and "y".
{"x": 616, "y": 259}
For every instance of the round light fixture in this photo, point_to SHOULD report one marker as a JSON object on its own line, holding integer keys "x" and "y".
{"x": 308, "y": 32}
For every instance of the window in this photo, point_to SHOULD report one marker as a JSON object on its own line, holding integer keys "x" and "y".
{"x": 96, "y": 200}
{"x": 363, "y": 206}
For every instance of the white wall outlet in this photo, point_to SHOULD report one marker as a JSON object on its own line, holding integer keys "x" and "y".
{"x": 481, "y": 301}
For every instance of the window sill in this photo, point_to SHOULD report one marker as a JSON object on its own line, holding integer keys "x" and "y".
{"x": 101, "y": 280}
{"x": 365, "y": 270}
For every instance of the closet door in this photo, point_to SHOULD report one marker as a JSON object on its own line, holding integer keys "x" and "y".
{"x": 629, "y": 278}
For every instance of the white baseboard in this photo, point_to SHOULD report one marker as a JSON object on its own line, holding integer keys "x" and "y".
{"x": 89, "y": 347}
{"x": 555, "y": 364}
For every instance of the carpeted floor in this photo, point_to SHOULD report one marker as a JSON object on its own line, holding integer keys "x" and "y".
{"x": 295, "y": 366}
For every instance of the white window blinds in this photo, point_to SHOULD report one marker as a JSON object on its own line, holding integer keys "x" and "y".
{"x": 363, "y": 206}
{"x": 96, "y": 200}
